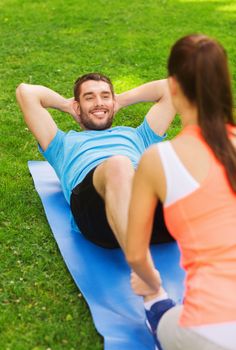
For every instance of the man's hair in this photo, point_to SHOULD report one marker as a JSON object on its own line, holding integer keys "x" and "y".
{"x": 90, "y": 76}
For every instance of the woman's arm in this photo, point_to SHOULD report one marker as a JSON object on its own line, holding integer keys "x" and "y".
{"x": 148, "y": 186}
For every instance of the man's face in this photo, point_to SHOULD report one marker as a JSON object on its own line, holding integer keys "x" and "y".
{"x": 96, "y": 105}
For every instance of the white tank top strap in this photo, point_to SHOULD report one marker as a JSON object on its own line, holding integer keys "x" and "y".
{"x": 179, "y": 182}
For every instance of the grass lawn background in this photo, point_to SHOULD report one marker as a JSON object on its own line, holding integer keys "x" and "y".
{"x": 52, "y": 43}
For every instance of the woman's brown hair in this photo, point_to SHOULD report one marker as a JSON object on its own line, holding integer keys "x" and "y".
{"x": 200, "y": 66}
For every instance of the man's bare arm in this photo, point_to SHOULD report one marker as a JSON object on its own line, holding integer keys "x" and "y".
{"x": 34, "y": 101}
{"x": 162, "y": 113}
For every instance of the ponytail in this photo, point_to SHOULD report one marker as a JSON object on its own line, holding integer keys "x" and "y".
{"x": 200, "y": 66}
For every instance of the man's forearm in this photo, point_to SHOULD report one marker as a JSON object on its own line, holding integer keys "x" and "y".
{"x": 149, "y": 92}
{"x": 46, "y": 97}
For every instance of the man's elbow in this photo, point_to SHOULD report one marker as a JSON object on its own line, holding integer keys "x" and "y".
{"x": 21, "y": 91}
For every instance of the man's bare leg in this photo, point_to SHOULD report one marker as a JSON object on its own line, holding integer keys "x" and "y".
{"x": 113, "y": 181}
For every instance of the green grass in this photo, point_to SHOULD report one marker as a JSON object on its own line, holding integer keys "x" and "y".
{"x": 51, "y": 43}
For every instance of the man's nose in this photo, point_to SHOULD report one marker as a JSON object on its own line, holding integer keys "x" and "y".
{"x": 98, "y": 101}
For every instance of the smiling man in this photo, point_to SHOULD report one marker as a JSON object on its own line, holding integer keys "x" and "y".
{"x": 96, "y": 166}
{"x": 95, "y": 107}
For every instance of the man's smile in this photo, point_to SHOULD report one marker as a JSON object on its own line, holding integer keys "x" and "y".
{"x": 99, "y": 112}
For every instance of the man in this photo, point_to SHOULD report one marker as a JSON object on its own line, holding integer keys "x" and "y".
{"x": 96, "y": 166}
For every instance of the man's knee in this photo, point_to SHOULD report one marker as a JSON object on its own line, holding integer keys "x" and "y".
{"x": 113, "y": 174}
{"x": 119, "y": 169}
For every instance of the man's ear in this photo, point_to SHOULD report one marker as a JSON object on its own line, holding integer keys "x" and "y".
{"x": 76, "y": 108}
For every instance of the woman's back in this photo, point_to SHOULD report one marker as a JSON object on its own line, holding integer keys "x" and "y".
{"x": 202, "y": 218}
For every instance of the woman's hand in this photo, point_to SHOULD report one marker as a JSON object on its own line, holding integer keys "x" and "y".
{"x": 142, "y": 288}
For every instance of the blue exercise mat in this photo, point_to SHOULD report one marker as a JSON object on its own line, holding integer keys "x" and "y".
{"x": 103, "y": 275}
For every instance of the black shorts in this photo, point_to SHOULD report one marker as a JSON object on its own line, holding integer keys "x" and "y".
{"x": 88, "y": 209}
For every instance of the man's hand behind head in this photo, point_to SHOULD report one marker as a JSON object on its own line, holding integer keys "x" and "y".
{"x": 70, "y": 108}
{"x": 117, "y": 104}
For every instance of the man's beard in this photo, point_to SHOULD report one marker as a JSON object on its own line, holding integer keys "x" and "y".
{"x": 89, "y": 124}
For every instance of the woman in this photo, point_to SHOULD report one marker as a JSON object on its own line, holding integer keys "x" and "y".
{"x": 194, "y": 175}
